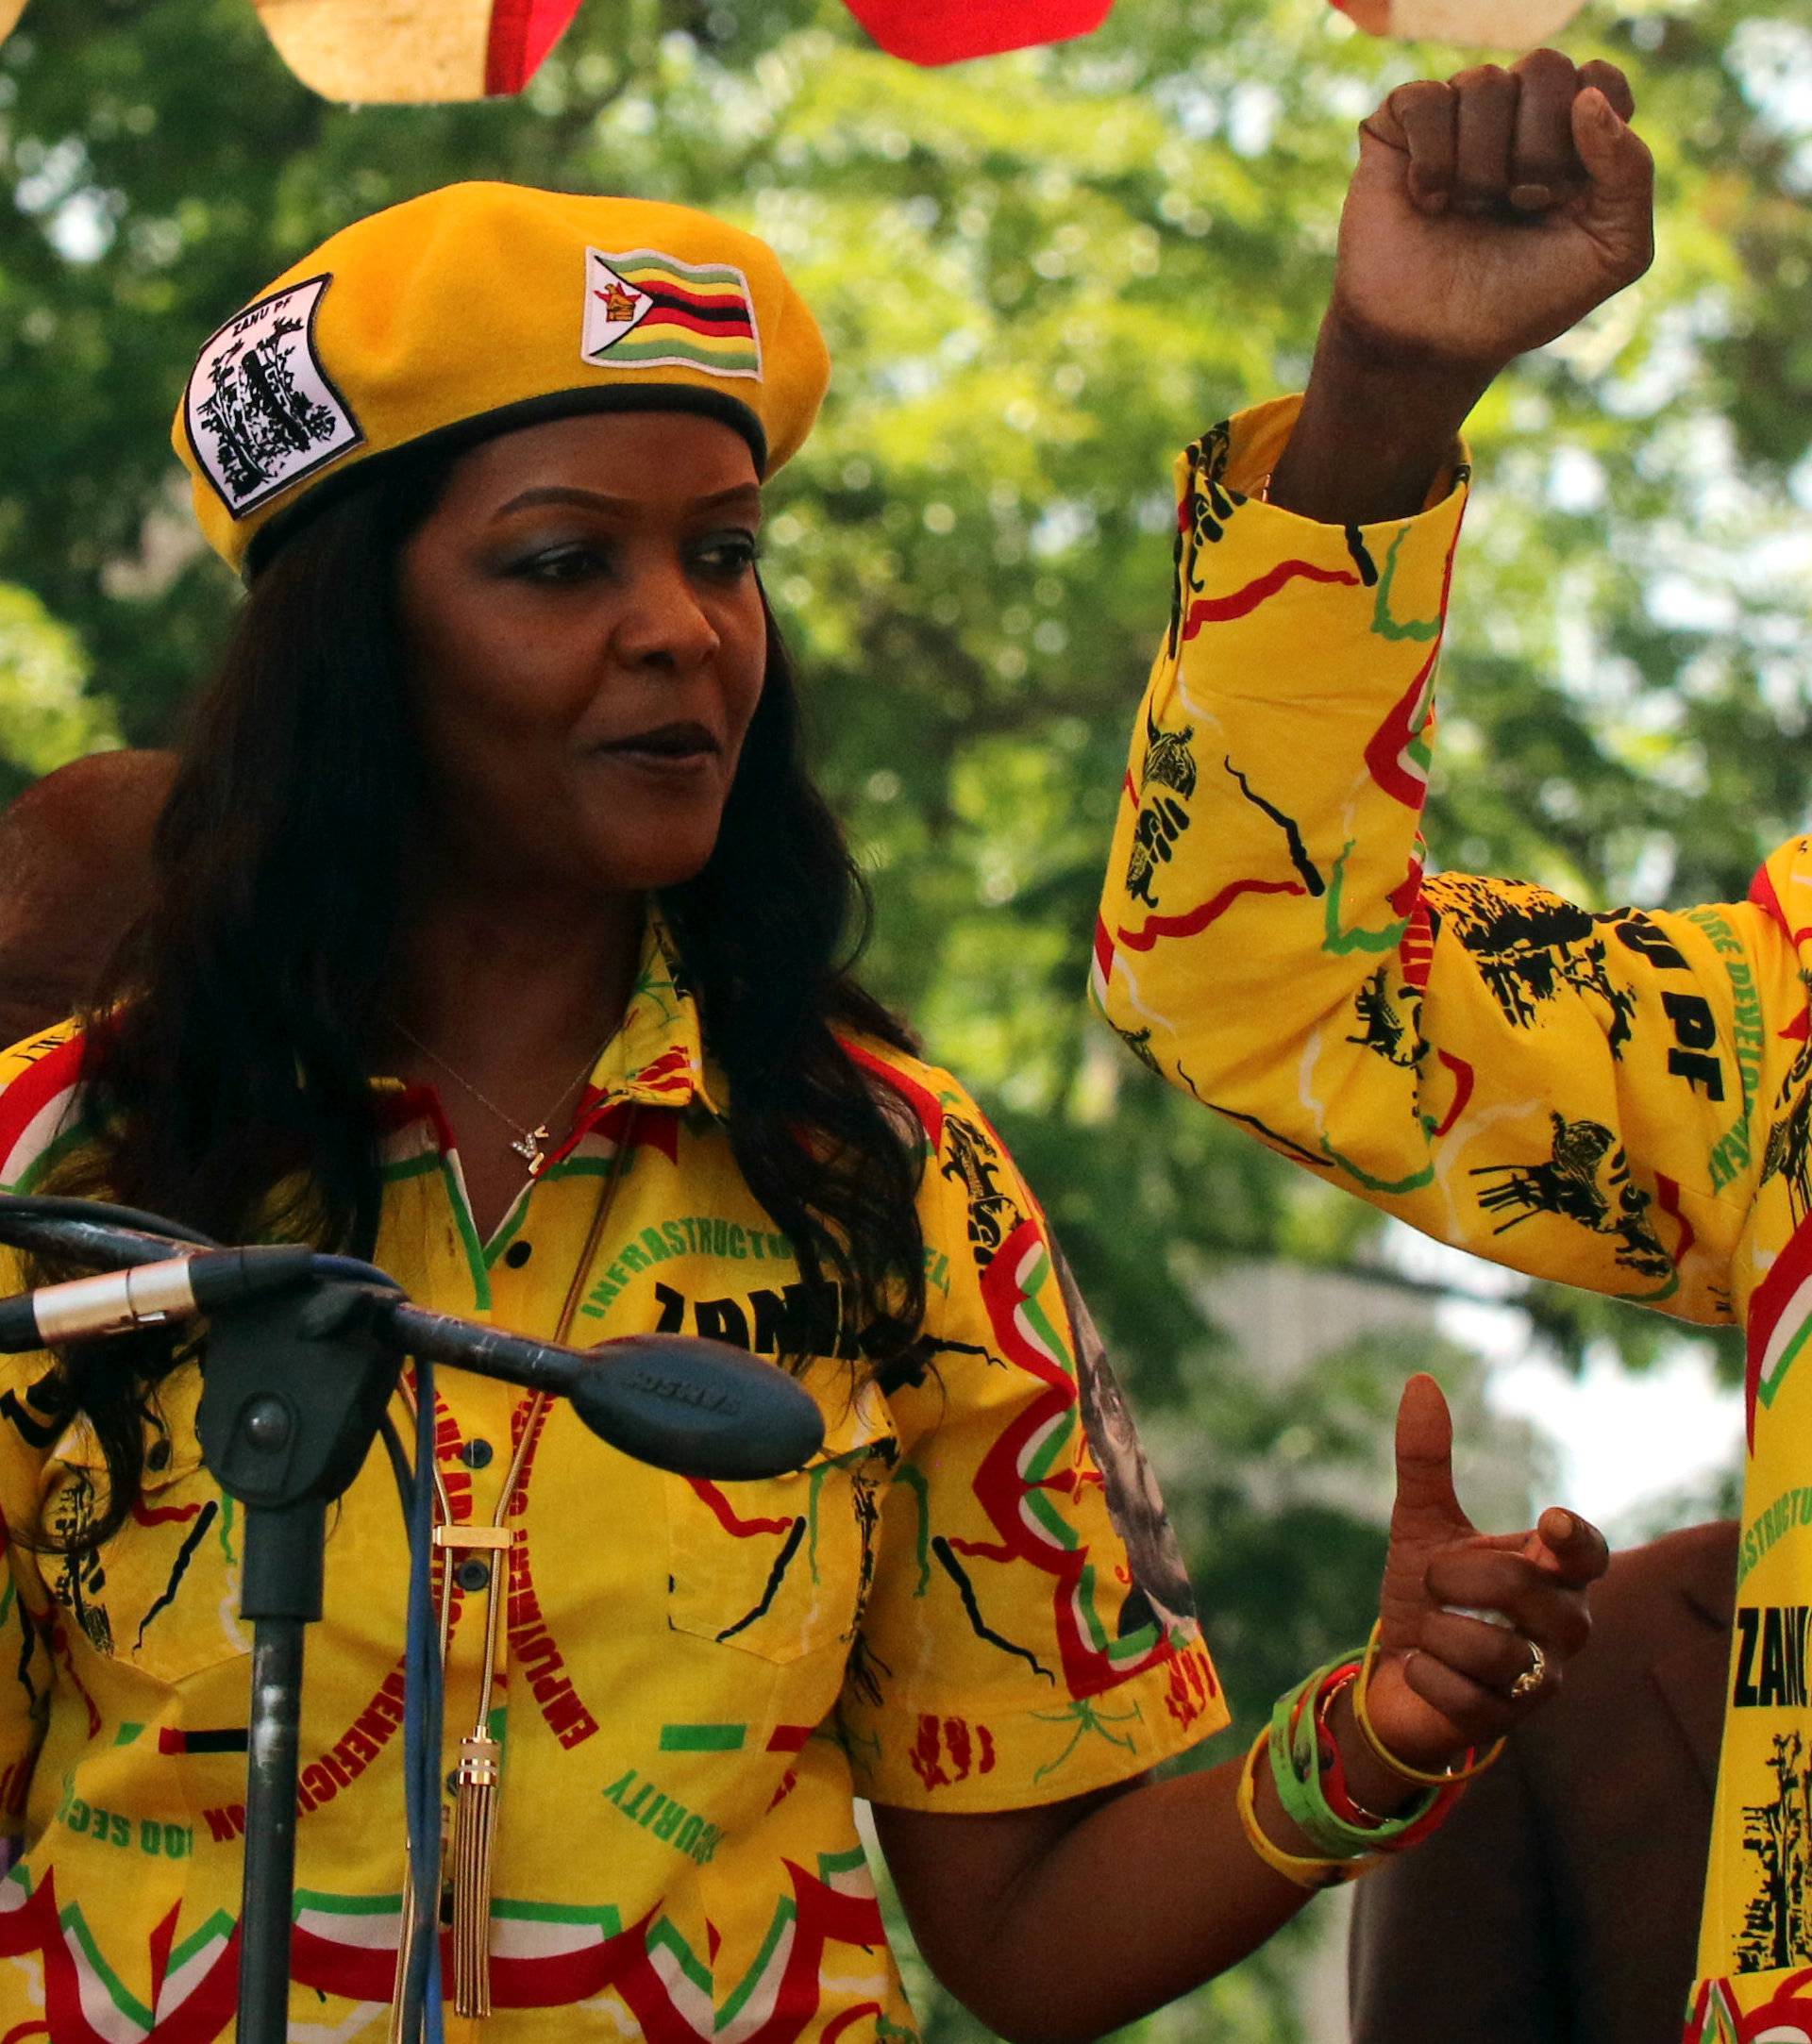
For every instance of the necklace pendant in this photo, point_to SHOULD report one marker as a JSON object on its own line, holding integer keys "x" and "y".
{"x": 528, "y": 1147}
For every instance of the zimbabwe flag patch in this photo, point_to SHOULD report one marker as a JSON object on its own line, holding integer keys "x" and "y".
{"x": 646, "y": 310}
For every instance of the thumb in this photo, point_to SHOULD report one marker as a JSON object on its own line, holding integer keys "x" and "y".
{"x": 1425, "y": 1459}
{"x": 1621, "y": 199}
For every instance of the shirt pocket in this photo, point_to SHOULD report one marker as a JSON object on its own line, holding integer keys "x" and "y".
{"x": 780, "y": 1567}
{"x": 161, "y": 1595}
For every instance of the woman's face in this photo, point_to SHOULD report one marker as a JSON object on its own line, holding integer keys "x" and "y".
{"x": 584, "y": 649}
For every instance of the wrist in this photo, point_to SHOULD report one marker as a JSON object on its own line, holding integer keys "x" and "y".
{"x": 1377, "y": 428}
{"x": 1416, "y": 380}
{"x": 1372, "y": 1785}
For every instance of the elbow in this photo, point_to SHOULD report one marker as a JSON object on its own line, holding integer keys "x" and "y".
{"x": 1024, "y": 2025}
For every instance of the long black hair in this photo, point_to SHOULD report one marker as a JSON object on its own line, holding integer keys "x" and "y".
{"x": 229, "y": 1052}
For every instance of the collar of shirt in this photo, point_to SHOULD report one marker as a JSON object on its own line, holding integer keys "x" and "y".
{"x": 655, "y": 1058}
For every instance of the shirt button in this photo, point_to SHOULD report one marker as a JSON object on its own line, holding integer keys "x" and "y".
{"x": 477, "y": 1454}
{"x": 474, "y": 1574}
{"x": 517, "y": 1254}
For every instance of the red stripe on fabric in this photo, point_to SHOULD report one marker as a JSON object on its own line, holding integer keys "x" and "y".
{"x": 161, "y": 1941}
{"x": 521, "y": 33}
{"x": 162, "y": 1515}
{"x": 1769, "y": 1301}
{"x": 395, "y": 1111}
{"x": 1198, "y": 919}
{"x": 1243, "y": 602}
{"x": 922, "y": 1100}
{"x": 33, "y": 1091}
{"x": 1383, "y": 753}
{"x": 1762, "y": 893}
{"x": 1462, "y": 1081}
{"x": 789, "y": 1739}
{"x": 740, "y": 1528}
{"x": 1668, "y": 1190}
{"x": 667, "y": 315}
{"x": 863, "y": 2011}
{"x": 701, "y": 301}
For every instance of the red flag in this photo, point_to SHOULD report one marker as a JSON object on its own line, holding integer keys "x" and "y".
{"x": 945, "y": 31}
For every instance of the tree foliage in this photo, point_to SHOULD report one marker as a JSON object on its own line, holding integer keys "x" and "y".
{"x": 1040, "y": 277}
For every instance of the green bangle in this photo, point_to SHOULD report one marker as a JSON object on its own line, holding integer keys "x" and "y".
{"x": 1295, "y": 1772}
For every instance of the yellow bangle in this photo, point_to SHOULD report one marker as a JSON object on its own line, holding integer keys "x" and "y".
{"x": 1306, "y": 1874}
{"x": 1362, "y": 1718}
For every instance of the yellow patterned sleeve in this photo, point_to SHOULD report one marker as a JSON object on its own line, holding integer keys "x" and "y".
{"x": 1575, "y": 1095}
{"x": 26, "y": 1615}
{"x": 1030, "y": 1633}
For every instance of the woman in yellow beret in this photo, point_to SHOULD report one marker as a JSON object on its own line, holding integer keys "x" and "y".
{"x": 500, "y": 934}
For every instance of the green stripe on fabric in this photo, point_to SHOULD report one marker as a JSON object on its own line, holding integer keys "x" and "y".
{"x": 601, "y": 1917}
{"x": 666, "y": 1935}
{"x": 702, "y": 273}
{"x": 703, "y": 1738}
{"x": 52, "y": 1154}
{"x": 783, "y": 1918}
{"x": 1053, "y": 1521}
{"x": 508, "y": 1229}
{"x": 74, "y": 1925}
{"x": 468, "y": 1235}
{"x": 663, "y": 346}
{"x": 1788, "y": 1356}
{"x": 416, "y": 1166}
{"x": 1052, "y": 1448}
{"x": 917, "y": 1482}
{"x": 347, "y": 1905}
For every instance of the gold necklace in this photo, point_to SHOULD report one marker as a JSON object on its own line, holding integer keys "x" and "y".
{"x": 528, "y": 1142}
{"x": 469, "y": 1844}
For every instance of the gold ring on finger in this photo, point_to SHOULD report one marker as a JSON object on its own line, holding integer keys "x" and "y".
{"x": 1530, "y": 1680}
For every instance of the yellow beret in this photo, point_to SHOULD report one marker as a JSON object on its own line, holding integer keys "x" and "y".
{"x": 477, "y": 308}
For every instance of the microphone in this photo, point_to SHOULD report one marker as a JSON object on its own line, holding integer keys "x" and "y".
{"x": 683, "y": 1403}
{"x": 149, "y": 1294}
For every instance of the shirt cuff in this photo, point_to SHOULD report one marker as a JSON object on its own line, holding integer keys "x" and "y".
{"x": 964, "y": 1760}
{"x": 1256, "y": 439}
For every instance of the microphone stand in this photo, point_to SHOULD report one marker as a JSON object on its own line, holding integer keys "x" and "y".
{"x": 286, "y": 1419}
{"x": 295, "y": 1383}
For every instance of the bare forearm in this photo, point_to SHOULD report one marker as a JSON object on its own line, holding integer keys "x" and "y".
{"x": 1151, "y": 1893}
{"x": 1373, "y": 435}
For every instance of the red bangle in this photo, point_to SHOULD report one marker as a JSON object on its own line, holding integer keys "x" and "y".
{"x": 1333, "y": 1774}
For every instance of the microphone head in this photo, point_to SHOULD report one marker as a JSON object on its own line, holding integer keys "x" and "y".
{"x": 697, "y": 1407}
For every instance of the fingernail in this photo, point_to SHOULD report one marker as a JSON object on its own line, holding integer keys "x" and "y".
{"x": 1568, "y": 1524}
{"x": 1531, "y": 198}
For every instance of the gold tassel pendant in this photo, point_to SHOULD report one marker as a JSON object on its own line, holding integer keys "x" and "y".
{"x": 474, "y": 1817}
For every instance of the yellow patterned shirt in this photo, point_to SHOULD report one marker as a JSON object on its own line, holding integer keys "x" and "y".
{"x": 697, "y": 1680}
{"x": 1621, "y": 1101}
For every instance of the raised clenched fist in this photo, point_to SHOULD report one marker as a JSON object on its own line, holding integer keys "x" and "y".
{"x": 1489, "y": 213}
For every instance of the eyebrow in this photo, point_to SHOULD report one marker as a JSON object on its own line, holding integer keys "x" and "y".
{"x": 598, "y": 500}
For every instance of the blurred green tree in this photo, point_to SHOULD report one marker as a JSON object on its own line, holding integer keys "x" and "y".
{"x": 1040, "y": 275}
